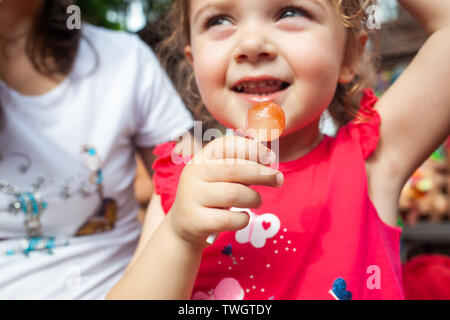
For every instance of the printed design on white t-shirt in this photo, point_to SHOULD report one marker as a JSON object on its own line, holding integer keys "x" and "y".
{"x": 103, "y": 220}
{"x": 33, "y": 201}
{"x": 105, "y": 216}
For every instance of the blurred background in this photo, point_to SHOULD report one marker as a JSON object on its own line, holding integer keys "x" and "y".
{"x": 424, "y": 206}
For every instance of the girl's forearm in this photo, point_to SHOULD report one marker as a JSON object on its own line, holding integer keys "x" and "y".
{"x": 431, "y": 14}
{"x": 166, "y": 270}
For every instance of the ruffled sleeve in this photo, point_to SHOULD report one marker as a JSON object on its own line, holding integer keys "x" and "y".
{"x": 365, "y": 128}
{"x": 167, "y": 171}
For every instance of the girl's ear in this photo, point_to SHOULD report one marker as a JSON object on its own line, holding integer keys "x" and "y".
{"x": 348, "y": 69}
{"x": 188, "y": 54}
{"x": 346, "y": 75}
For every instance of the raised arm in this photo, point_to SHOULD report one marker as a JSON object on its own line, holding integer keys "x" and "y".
{"x": 415, "y": 110}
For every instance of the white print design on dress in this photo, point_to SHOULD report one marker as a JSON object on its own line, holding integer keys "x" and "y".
{"x": 226, "y": 289}
{"x": 259, "y": 229}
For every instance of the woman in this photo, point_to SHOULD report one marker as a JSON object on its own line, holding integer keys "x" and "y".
{"x": 76, "y": 106}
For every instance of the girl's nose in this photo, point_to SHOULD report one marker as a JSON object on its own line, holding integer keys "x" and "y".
{"x": 254, "y": 48}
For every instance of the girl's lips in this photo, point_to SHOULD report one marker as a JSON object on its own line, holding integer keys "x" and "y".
{"x": 254, "y": 98}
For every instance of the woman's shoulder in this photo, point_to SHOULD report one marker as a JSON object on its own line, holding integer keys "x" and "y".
{"x": 103, "y": 35}
{"x": 116, "y": 45}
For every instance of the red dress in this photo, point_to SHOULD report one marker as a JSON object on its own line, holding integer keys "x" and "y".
{"x": 317, "y": 237}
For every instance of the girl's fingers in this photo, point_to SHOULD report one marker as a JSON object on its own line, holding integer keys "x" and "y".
{"x": 233, "y": 147}
{"x": 217, "y": 220}
{"x": 246, "y": 172}
{"x": 245, "y": 133}
{"x": 226, "y": 195}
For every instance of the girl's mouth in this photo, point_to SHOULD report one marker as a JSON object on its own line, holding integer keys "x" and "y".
{"x": 262, "y": 88}
{"x": 254, "y": 91}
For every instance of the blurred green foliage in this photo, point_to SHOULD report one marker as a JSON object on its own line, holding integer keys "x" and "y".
{"x": 113, "y": 13}
{"x": 96, "y": 12}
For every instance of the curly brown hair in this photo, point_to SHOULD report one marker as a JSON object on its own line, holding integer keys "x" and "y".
{"x": 174, "y": 33}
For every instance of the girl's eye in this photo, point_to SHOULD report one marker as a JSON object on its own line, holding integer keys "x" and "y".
{"x": 292, "y": 12}
{"x": 217, "y": 21}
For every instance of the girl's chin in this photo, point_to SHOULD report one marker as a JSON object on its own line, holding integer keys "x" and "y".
{"x": 234, "y": 120}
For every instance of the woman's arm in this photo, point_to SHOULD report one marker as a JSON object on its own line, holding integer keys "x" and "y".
{"x": 415, "y": 110}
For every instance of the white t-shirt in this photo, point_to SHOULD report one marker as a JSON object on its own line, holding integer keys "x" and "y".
{"x": 116, "y": 98}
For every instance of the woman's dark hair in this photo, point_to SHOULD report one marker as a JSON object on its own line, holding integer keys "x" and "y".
{"x": 52, "y": 47}
{"x": 51, "y": 38}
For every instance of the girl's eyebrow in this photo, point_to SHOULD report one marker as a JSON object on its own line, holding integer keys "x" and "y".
{"x": 222, "y": 6}
{"x": 217, "y": 5}
{"x": 318, "y": 3}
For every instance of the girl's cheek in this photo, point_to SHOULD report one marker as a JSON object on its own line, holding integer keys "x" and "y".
{"x": 209, "y": 89}
{"x": 209, "y": 69}
{"x": 320, "y": 64}
{"x": 203, "y": 61}
{"x": 205, "y": 76}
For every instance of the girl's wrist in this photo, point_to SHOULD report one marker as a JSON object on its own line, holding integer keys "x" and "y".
{"x": 189, "y": 243}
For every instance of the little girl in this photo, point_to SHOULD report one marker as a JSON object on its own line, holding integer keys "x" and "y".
{"x": 322, "y": 226}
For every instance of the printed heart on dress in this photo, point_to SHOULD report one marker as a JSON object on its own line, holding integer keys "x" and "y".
{"x": 226, "y": 289}
{"x": 259, "y": 229}
{"x": 266, "y": 225}
{"x": 339, "y": 290}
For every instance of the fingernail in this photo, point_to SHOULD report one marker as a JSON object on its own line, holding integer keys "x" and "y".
{"x": 280, "y": 179}
{"x": 270, "y": 158}
{"x": 273, "y": 157}
{"x": 250, "y": 134}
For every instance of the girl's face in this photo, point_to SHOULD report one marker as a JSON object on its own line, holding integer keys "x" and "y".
{"x": 289, "y": 52}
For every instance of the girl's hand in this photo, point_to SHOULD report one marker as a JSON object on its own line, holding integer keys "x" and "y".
{"x": 216, "y": 179}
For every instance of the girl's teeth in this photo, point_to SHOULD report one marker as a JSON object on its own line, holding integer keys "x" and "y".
{"x": 262, "y": 84}
{"x": 269, "y": 84}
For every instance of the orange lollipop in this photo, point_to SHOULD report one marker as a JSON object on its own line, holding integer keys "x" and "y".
{"x": 266, "y": 120}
